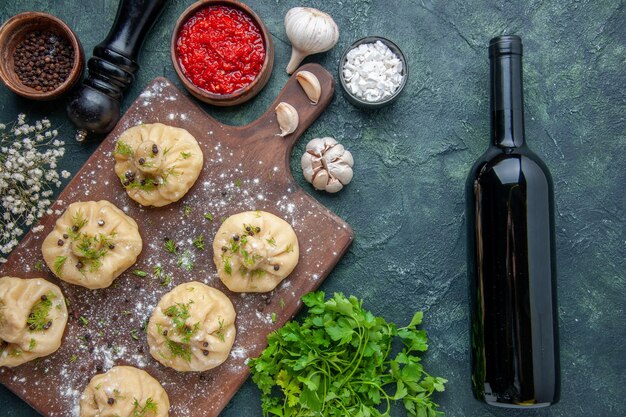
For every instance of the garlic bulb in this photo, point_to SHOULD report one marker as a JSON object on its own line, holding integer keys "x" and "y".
{"x": 287, "y": 117}
{"x": 327, "y": 165}
{"x": 310, "y": 31}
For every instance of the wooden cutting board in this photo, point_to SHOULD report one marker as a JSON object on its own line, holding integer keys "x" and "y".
{"x": 245, "y": 168}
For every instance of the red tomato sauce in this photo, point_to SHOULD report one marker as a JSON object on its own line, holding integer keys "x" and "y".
{"x": 220, "y": 49}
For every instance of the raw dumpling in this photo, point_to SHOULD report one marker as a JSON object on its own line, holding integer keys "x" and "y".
{"x": 156, "y": 163}
{"x": 32, "y": 319}
{"x": 124, "y": 391}
{"x": 254, "y": 251}
{"x": 192, "y": 328}
{"x": 92, "y": 244}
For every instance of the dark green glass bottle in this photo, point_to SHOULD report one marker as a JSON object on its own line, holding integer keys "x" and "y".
{"x": 511, "y": 253}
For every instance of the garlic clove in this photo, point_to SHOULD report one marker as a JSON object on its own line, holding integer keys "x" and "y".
{"x": 310, "y": 31}
{"x": 316, "y": 146}
{"x": 321, "y": 180}
{"x": 333, "y": 186}
{"x": 287, "y": 117}
{"x": 334, "y": 153}
{"x": 341, "y": 171}
{"x": 329, "y": 143}
{"x": 310, "y": 84}
{"x": 348, "y": 159}
{"x": 307, "y": 166}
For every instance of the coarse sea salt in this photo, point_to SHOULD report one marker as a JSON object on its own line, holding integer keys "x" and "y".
{"x": 372, "y": 71}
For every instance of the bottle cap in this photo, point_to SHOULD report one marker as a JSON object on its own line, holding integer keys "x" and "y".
{"x": 505, "y": 45}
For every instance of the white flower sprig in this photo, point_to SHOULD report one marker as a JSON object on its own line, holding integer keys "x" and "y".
{"x": 28, "y": 173}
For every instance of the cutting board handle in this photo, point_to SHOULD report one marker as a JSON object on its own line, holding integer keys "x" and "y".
{"x": 265, "y": 130}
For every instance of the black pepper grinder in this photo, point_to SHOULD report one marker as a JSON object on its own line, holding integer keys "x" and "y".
{"x": 94, "y": 107}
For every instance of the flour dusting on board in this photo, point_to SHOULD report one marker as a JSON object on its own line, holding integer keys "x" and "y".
{"x": 107, "y": 327}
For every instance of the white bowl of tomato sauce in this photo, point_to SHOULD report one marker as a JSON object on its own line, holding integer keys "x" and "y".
{"x": 222, "y": 52}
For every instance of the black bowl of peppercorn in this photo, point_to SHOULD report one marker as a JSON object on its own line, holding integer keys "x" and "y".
{"x": 40, "y": 57}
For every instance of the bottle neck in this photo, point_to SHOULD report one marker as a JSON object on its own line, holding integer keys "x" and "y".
{"x": 507, "y": 101}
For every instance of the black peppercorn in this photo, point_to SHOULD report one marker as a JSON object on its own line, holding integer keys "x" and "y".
{"x": 79, "y": 265}
{"x": 224, "y": 248}
{"x": 257, "y": 229}
{"x": 205, "y": 352}
{"x": 74, "y": 228}
{"x": 43, "y": 60}
{"x": 44, "y": 297}
{"x": 276, "y": 267}
{"x": 100, "y": 222}
{"x": 155, "y": 149}
{"x": 111, "y": 401}
{"x": 248, "y": 228}
{"x": 141, "y": 161}
{"x": 205, "y": 344}
{"x": 65, "y": 235}
{"x": 236, "y": 238}
{"x": 165, "y": 333}
{"x": 111, "y": 246}
{"x": 47, "y": 325}
{"x": 142, "y": 182}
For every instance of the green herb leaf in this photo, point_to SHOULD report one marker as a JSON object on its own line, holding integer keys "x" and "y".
{"x": 139, "y": 273}
{"x": 220, "y": 331}
{"x": 338, "y": 362}
{"x": 180, "y": 350}
{"x": 167, "y": 280}
{"x": 122, "y": 148}
{"x": 157, "y": 271}
{"x": 199, "y": 242}
{"x": 170, "y": 246}
{"x": 185, "y": 261}
{"x": 38, "y": 266}
{"x": 83, "y": 321}
{"x": 38, "y": 319}
{"x": 208, "y": 216}
{"x": 58, "y": 264}
{"x": 179, "y": 313}
{"x": 416, "y": 320}
{"x": 149, "y": 409}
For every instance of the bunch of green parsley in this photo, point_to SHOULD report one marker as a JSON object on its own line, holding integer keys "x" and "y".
{"x": 337, "y": 363}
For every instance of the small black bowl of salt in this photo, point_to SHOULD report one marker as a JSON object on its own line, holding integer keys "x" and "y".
{"x": 373, "y": 72}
